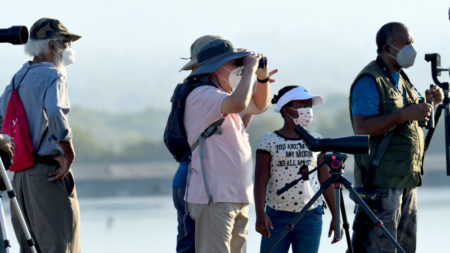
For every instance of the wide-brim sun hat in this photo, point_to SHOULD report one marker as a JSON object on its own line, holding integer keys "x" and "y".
{"x": 195, "y": 48}
{"x": 215, "y": 54}
{"x": 298, "y": 93}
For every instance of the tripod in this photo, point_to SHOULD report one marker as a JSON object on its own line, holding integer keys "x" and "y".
{"x": 436, "y": 70}
{"x": 14, "y": 204}
{"x": 335, "y": 161}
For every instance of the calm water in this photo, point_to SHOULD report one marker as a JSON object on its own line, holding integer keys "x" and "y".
{"x": 148, "y": 224}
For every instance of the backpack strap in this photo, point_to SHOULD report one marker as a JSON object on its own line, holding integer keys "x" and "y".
{"x": 14, "y": 77}
{"x": 212, "y": 129}
{"x": 208, "y": 132}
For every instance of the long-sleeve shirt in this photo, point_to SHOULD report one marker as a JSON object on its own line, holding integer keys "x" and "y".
{"x": 44, "y": 95}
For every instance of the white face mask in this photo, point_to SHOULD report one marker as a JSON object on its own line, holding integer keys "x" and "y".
{"x": 68, "y": 56}
{"x": 235, "y": 77}
{"x": 405, "y": 56}
{"x": 305, "y": 116}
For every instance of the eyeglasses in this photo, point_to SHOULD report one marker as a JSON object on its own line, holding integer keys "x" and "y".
{"x": 64, "y": 42}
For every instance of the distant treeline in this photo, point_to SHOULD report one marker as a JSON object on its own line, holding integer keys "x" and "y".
{"x": 127, "y": 137}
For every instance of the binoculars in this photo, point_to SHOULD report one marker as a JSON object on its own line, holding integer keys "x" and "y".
{"x": 430, "y": 123}
{"x": 261, "y": 64}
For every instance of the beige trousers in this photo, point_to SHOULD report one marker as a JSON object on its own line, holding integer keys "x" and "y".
{"x": 220, "y": 227}
{"x": 50, "y": 209}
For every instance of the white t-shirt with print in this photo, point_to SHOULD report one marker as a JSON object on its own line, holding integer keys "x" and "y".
{"x": 288, "y": 156}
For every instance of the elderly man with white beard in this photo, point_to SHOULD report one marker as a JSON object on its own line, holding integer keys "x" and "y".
{"x": 45, "y": 189}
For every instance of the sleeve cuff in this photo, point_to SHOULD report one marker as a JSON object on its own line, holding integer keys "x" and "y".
{"x": 66, "y": 136}
{"x": 262, "y": 151}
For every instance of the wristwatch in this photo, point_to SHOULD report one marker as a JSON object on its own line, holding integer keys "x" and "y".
{"x": 264, "y": 80}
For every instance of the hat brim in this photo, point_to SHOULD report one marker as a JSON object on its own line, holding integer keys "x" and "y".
{"x": 294, "y": 94}
{"x": 317, "y": 100}
{"x": 72, "y": 36}
{"x": 192, "y": 62}
{"x": 215, "y": 63}
{"x": 190, "y": 65}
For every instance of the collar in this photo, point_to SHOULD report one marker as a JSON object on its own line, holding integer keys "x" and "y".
{"x": 384, "y": 68}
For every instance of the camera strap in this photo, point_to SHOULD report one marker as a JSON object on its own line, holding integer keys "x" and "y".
{"x": 376, "y": 161}
{"x": 388, "y": 74}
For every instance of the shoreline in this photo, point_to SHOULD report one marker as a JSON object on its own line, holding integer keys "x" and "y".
{"x": 155, "y": 178}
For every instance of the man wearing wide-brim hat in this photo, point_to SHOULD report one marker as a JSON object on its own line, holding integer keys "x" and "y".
{"x": 45, "y": 189}
{"x": 218, "y": 199}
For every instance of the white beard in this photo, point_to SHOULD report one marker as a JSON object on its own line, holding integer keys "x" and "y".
{"x": 59, "y": 65}
{"x": 58, "y": 62}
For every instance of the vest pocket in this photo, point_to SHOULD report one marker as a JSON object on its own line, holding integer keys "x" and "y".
{"x": 396, "y": 163}
{"x": 392, "y": 104}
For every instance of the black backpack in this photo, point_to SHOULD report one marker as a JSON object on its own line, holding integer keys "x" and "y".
{"x": 175, "y": 136}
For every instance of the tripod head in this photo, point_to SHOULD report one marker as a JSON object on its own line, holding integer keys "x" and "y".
{"x": 436, "y": 69}
{"x": 335, "y": 161}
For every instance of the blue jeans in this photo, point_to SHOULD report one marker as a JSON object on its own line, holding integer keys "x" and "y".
{"x": 186, "y": 228}
{"x": 305, "y": 237}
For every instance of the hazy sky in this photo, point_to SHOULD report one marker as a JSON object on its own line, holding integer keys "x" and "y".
{"x": 128, "y": 58}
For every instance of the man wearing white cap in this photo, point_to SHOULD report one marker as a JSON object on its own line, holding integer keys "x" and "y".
{"x": 45, "y": 189}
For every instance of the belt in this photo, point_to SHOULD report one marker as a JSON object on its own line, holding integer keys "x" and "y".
{"x": 47, "y": 160}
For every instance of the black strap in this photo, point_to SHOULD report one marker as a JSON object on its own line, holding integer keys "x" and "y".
{"x": 402, "y": 73}
{"x": 14, "y": 77}
{"x": 264, "y": 80}
{"x": 384, "y": 68}
{"x": 376, "y": 161}
{"x": 48, "y": 160}
{"x": 41, "y": 141}
{"x": 212, "y": 129}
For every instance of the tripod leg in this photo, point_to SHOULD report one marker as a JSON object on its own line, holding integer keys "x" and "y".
{"x": 337, "y": 190}
{"x": 447, "y": 136}
{"x": 373, "y": 217}
{"x": 15, "y": 205}
{"x": 345, "y": 223}
{"x": 298, "y": 217}
{"x": 6, "y": 245}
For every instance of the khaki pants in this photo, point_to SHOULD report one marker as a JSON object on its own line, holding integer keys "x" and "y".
{"x": 50, "y": 210}
{"x": 398, "y": 211}
{"x": 220, "y": 227}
